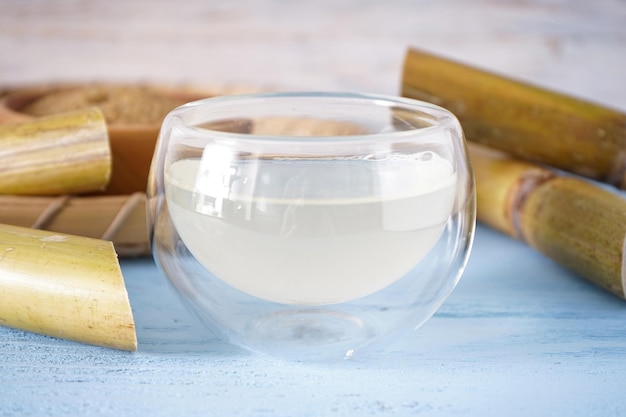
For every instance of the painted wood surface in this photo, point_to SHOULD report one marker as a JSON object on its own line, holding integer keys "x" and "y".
{"x": 519, "y": 336}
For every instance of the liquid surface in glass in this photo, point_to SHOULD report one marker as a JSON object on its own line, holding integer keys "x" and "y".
{"x": 310, "y": 231}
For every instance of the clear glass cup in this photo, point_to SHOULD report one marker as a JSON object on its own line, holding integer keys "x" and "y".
{"x": 311, "y": 225}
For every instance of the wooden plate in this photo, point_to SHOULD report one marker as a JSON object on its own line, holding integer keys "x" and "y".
{"x": 118, "y": 214}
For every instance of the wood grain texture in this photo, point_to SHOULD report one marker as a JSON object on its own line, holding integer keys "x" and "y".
{"x": 533, "y": 340}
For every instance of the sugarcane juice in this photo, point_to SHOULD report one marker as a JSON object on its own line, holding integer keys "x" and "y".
{"x": 311, "y": 231}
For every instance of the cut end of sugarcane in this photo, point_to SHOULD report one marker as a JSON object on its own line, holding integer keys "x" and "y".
{"x": 64, "y": 286}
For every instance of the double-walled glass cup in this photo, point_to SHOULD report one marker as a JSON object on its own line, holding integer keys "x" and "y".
{"x": 311, "y": 225}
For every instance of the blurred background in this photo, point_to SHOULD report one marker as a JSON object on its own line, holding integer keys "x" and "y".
{"x": 577, "y": 46}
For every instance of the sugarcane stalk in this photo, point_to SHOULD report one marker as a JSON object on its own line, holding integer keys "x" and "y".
{"x": 577, "y": 223}
{"x": 527, "y": 121}
{"x": 61, "y": 154}
{"x": 64, "y": 286}
{"x": 120, "y": 219}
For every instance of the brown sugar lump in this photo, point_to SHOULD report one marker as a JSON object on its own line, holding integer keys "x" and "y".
{"x": 127, "y": 105}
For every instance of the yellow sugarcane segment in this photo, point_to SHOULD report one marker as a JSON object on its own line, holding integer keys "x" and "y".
{"x": 581, "y": 226}
{"x": 64, "y": 286}
{"x": 529, "y": 122}
{"x": 60, "y": 154}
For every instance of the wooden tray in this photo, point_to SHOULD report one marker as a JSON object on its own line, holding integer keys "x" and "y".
{"x": 118, "y": 214}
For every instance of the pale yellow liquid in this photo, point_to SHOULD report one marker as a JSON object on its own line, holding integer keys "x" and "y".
{"x": 310, "y": 251}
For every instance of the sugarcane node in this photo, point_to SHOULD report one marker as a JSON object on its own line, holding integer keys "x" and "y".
{"x": 527, "y": 183}
{"x": 580, "y": 226}
{"x": 574, "y": 221}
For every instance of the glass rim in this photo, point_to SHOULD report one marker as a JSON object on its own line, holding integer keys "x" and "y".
{"x": 441, "y": 117}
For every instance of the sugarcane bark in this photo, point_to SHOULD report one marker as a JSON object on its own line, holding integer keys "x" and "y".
{"x": 576, "y": 223}
{"x": 61, "y": 154}
{"x": 64, "y": 286}
{"x": 527, "y": 121}
{"x": 581, "y": 226}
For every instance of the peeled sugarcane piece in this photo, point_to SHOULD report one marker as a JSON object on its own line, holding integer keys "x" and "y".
{"x": 529, "y": 122}
{"x": 580, "y": 225}
{"x": 120, "y": 219}
{"x": 67, "y": 153}
{"x": 64, "y": 286}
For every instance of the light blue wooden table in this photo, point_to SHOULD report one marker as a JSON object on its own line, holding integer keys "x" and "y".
{"x": 519, "y": 336}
